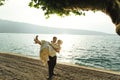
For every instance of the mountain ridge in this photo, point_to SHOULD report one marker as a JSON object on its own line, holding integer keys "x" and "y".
{"x": 7, "y": 26}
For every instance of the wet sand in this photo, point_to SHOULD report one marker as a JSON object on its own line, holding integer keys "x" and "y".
{"x": 14, "y": 67}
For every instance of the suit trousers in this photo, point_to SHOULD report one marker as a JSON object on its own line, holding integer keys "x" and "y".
{"x": 51, "y": 65}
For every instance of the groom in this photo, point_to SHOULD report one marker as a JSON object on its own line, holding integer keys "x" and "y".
{"x": 52, "y": 59}
{"x": 52, "y": 56}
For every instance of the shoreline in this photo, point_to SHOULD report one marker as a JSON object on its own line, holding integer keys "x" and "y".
{"x": 20, "y": 67}
{"x": 69, "y": 64}
{"x": 91, "y": 68}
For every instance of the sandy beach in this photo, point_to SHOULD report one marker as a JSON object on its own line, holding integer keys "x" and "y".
{"x": 14, "y": 67}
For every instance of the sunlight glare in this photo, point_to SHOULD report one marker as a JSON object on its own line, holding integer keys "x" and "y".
{"x": 67, "y": 41}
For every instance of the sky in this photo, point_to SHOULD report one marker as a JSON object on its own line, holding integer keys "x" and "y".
{"x": 19, "y": 11}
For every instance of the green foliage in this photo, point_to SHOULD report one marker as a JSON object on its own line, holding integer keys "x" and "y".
{"x": 77, "y": 7}
{"x": 2, "y": 2}
{"x": 59, "y": 7}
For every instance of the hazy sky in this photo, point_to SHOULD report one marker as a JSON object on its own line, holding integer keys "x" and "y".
{"x": 18, "y": 10}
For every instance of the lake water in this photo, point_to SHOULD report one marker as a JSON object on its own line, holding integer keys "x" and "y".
{"x": 100, "y": 51}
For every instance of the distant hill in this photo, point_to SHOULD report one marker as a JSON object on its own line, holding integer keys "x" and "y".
{"x": 18, "y": 27}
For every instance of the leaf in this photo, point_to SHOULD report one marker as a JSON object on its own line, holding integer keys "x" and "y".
{"x": 31, "y": 4}
{"x": 83, "y": 14}
{"x": 43, "y": 8}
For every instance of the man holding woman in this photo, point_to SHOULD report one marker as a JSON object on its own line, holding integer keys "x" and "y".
{"x": 48, "y": 53}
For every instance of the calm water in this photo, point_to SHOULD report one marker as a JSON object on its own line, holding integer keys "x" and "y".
{"x": 101, "y": 51}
